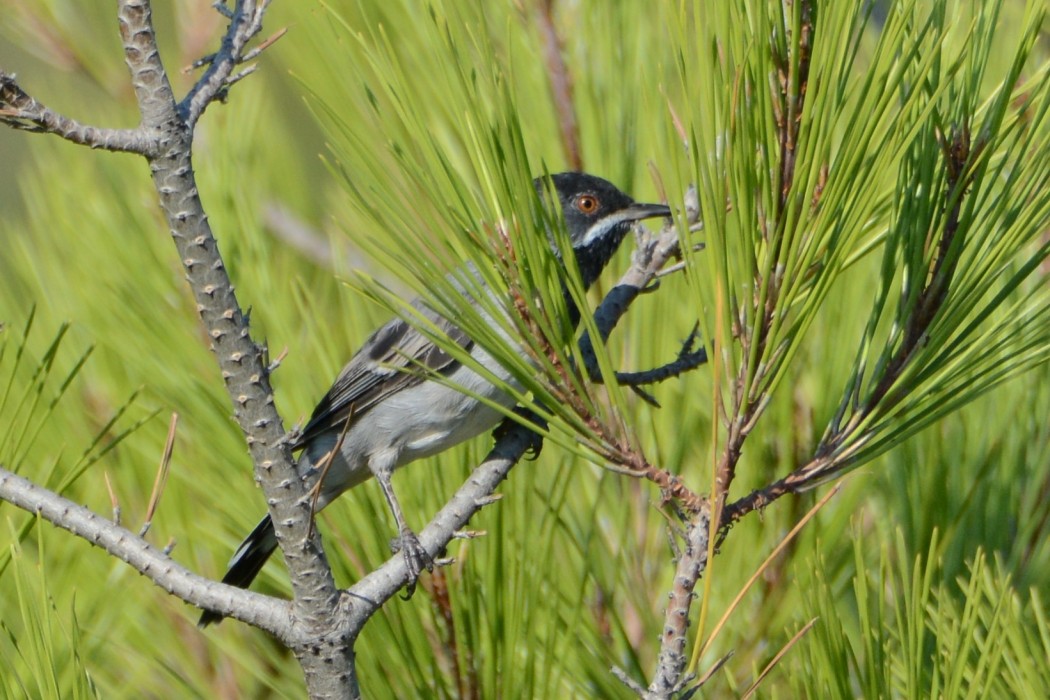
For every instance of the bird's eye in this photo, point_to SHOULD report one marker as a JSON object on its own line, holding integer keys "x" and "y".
{"x": 586, "y": 203}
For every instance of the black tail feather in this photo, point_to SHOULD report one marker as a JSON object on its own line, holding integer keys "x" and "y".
{"x": 246, "y": 563}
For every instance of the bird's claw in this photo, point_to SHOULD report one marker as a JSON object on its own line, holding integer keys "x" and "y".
{"x": 416, "y": 559}
{"x": 535, "y": 439}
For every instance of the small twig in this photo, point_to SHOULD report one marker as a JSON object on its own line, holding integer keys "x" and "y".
{"x": 715, "y": 667}
{"x": 667, "y": 271}
{"x": 113, "y": 501}
{"x": 776, "y": 659}
{"x": 276, "y": 362}
{"x": 161, "y": 479}
{"x": 681, "y": 265}
{"x": 561, "y": 85}
{"x": 263, "y": 45}
{"x": 239, "y": 76}
{"x": 326, "y": 464}
{"x": 204, "y": 60}
{"x": 221, "y": 8}
{"x": 784, "y": 542}
{"x": 644, "y": 396}
{"x": 632, "y": 684}
{"x": 469, "y": 534}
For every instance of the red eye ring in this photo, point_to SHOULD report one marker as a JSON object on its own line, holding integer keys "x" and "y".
{"x": 586, "y": 203}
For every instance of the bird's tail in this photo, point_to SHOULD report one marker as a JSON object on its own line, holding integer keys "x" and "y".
{"x": 246, "y": 563}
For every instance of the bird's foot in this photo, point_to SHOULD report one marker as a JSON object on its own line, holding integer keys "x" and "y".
{"x": 416, "y": 558}
{"x": 535, "y": 439}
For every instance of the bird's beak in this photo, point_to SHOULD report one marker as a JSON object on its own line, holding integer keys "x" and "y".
{"x": 639, "y": 211}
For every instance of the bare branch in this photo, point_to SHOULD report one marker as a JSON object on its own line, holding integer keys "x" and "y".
{"x": 161, "y": 479}
{"x": 153, "y": 91}
{"x": 668, "y": 679}
{"x": 241, "y": 360}
{"x": 261, "y": 611}
{"x": 19, "y": 110}
{"x": 245, "y": 22}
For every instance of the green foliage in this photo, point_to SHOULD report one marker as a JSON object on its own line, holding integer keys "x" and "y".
{"x": 993, "y": 320}
{"x": 432, "y": 122}
{"x": 41, "y": 647}
{"x": 916, "y": 635}
{"x": 797, "y": 187}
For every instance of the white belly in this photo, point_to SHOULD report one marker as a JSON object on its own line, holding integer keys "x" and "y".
{"x": 414, "y": 423}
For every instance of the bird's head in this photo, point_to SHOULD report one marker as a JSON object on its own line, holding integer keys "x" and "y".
{"x": 597, "y": 217}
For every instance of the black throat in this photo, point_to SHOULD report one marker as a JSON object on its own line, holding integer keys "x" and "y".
{"x": 591, "y": 260}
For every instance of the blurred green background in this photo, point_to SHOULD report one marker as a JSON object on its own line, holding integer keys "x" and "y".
{"x": 573, "y": 574}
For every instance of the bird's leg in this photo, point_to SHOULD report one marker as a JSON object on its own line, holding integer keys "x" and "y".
{"x": 689, "y": 358}
{"x": 416, "y": 558}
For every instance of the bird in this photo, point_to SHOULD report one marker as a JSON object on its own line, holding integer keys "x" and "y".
{"x": 382, "y": 413}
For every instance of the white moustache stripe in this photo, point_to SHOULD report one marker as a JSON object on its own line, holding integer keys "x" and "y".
{"x": 602, "y": 226}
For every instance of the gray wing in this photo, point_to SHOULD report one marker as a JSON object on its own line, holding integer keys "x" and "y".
{"x": 395, "y": 357}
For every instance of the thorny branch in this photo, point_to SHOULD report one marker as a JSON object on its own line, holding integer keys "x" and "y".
{"x": 165, "y": 138}
{"x": 19, "y": 110}
{"x": 255, "y": 609}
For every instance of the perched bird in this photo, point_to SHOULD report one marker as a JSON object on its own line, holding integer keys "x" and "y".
{"x": 382, "y": 413}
